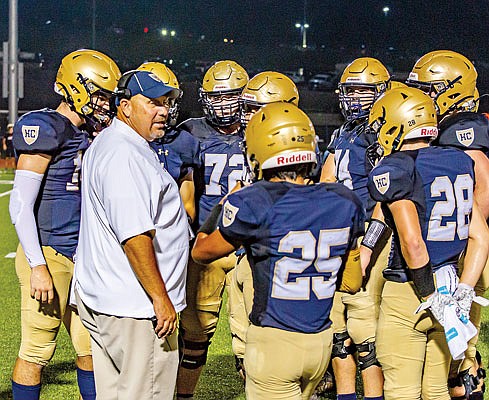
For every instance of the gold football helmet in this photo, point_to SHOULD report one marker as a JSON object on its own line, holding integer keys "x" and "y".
{"x": 447, "y": 76}
{"x": 402, "y": 114}
{"x": 219, "y": 94}
{"x": 279, "y": 134}
{"x": 361, "y": 83}
{"x": 84, "y": 78}
{"x": 397, "y": 84}
{"x": 264, "y": 88}
{"x": 170, "y": 79}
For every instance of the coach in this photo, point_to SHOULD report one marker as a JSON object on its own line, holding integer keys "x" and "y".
{"x": 131, "y": 261}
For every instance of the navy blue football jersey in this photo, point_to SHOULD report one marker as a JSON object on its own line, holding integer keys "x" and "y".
{"x": 178, "y": 152}
{"x": 295, "y": 237}
{"x": 222, "y": 164}
{"x": 57, "y": 209}
{"x": 440, "y": 182}
{"x": 466, "y": 131}
{"x": 349, "y": 146}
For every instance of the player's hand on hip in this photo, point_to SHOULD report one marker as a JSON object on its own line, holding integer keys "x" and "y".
{"x": 166, "y": 317}
{"x": 42, "y": 288}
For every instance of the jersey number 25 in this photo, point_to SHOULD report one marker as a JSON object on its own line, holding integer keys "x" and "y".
{"x": 318, "y": 252}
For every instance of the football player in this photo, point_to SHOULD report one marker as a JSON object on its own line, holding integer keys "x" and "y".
{"x": 355, "y": 316}
{"x": 264, "y": 88}
{"x": 221, "y": 166}
{"x": 177, "y": 150}
{"x": 426, "y": 194}
{"x": 45, "y": 209}
{"x": 295, "y": 250}
{"x": 450, "y": 79}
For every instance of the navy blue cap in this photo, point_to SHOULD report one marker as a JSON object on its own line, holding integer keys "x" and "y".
{"x": 149, "y": 85}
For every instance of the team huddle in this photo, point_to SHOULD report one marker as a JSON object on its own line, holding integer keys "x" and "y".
{"x": 371, "y": 256}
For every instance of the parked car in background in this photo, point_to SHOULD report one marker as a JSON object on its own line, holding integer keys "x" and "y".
{"x": 323, "y": 81}
{"x": 296, "y": 77}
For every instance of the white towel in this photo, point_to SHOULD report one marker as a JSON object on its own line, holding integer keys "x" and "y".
{"x": 458, "y": 329}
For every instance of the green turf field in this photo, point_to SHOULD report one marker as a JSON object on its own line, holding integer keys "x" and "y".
{"x": 219, "y": 380}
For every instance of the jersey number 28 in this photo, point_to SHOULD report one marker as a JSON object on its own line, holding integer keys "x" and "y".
{"x": 459, "y": 197}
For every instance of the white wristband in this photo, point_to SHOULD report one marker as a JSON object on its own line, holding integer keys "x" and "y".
{"x": 21, "y": 208}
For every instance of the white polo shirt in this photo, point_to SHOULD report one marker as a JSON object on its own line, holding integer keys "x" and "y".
{"x": 126, "y": 192}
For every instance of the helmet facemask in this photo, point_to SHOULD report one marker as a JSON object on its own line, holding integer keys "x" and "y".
{"x": 247, "y": 109}
{"x": 221, "y": 108}
{"x": 358, "y": 105}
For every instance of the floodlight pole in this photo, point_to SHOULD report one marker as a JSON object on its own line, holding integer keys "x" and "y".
{"x": 13, "y": 64}
{"x": 94, "y": 17}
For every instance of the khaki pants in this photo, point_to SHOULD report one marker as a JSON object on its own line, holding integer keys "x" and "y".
{"x": 40, "y": 322}
{"x": 240, "y": 304}
{"x": 285, "y": 365}
{"x": 412, "y": 349}
{"x": 358, "y": 313}
{"x": 205, "y": 288}
{"x": 130, "y": 361}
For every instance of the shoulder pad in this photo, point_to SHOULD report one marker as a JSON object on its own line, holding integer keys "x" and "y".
{"x": 38, "y": 131}
{"x": 393, "y": 178}
{"x": 197, "y": 127}
{"x": 465, "y": 130}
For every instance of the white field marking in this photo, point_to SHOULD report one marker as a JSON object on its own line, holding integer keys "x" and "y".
{"x": 3, "y": 182}
{"x": 5, "y": 193}
{"x": 10, "y": 255}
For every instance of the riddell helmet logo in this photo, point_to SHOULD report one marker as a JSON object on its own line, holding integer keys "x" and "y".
{"x": 429, "y": 131}
{"x": 248, "y": 96}
{"x": 294, "y": 159}
{"x": 220, "y": 87}
{"x": 465, "y": 136}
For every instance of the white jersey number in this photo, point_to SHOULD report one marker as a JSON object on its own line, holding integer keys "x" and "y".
{"x": 74, "y": 185}
{"x": 342, "y": 160}
{"x": 312, "y": 252}
{"x": 459, "y": 198}
{"x": 218, "y": 163}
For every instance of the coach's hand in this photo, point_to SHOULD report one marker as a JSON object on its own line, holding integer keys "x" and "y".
{"x": 166, "y": 317}
{"x": 42, "y": 284}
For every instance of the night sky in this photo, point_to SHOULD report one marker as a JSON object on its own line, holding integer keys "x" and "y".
{"x": 451, "y": 24}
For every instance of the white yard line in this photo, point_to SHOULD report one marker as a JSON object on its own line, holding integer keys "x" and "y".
{"x": 5, "y": 193}
{"x": 6, "y": 182}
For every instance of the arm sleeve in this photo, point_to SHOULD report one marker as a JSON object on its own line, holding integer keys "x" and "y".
{"x": 21, "y": 208}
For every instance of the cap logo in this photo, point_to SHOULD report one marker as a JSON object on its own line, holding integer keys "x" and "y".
{"x": 154, "y": 77}
{"x": 382, "y": 182}
{"x": 228, "y": 214}
{"x": 465, "y": 136}
{"x": 30, "y": 133}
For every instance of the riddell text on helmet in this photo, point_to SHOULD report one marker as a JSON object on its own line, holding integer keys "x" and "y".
{"x": 295, "y": 158}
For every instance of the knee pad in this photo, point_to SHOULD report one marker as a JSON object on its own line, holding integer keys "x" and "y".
{"x": 193, "y": 361}
{"x": 370, "y": 358}
{"x": 339, "y": 348}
